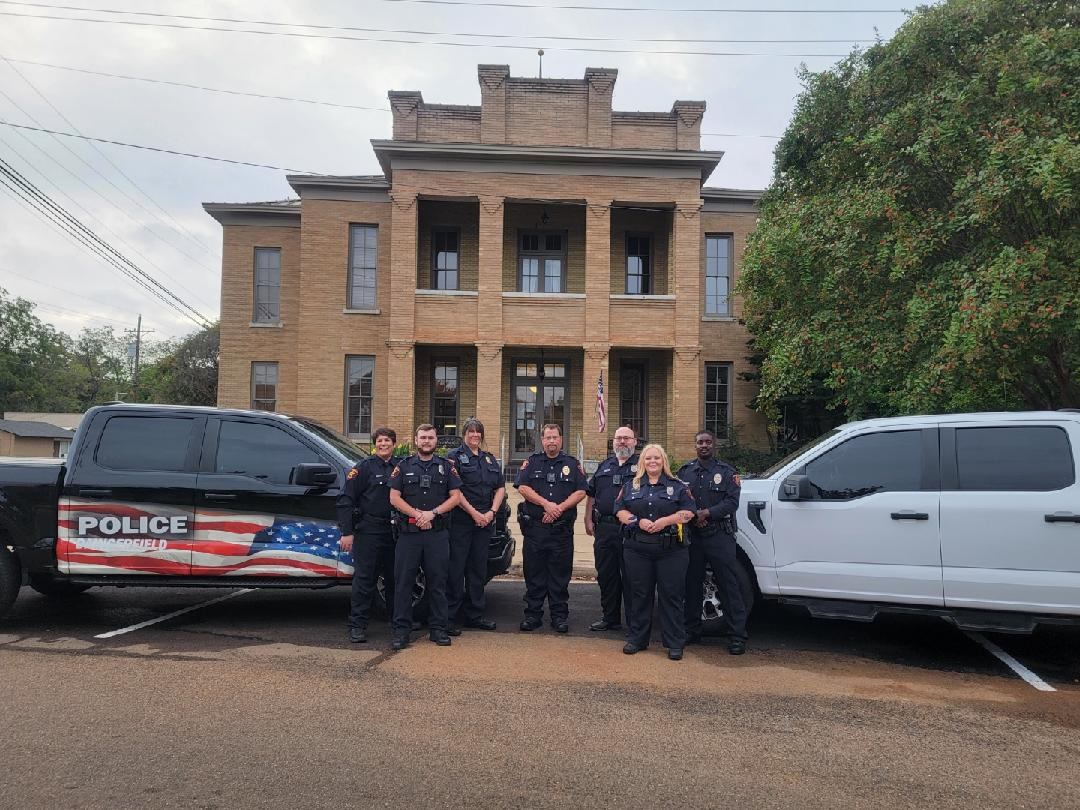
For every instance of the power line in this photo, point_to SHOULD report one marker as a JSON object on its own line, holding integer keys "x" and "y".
{"x": 398, "y": 41}
{"x": 154, "y": 148}
{"x": 176, "y": 226}
{"x": 419, "y": 32}
{"x": 46, "y": 206}
{"x": 10, "y": 272}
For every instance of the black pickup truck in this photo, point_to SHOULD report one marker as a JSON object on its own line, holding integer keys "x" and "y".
{"x": 162, "y": 495}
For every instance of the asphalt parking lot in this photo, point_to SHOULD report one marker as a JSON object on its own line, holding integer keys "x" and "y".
{"x": 255, "y": 698}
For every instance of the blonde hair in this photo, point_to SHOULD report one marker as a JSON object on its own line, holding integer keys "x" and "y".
{"x": 641, "y": 463}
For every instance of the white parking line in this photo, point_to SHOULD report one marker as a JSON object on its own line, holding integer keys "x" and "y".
{"x": 175, "y": 613}
{"x": 1010, "y": 662}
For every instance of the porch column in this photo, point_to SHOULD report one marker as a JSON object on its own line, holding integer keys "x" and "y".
{"x": 490, "y": 283}
{"x": 597, "y": 446}
{"x": 489, "y": 391}
{"x": 598, "y": 272}
{"x": 686, "y": 364}
{"x": 401, "y": 343}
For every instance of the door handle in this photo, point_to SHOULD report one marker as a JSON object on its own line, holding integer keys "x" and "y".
{"x": 96, "y": 493}
{"x": 753, "y": 511}
{"x": 907, "y": 514}
{"x": 1062, "y": 517}
{"x": 219, "y": 496}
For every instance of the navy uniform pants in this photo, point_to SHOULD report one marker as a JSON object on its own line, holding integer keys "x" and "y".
{"x": 548, "y": 562}
{"x": 469, "y": 546}
{"x": 610, "y": 574}
{"x": 373, "y": 554}
{"x": 718, "y": 549}
{"x": 656, "y": 564}
{"x": 430, "y": 548}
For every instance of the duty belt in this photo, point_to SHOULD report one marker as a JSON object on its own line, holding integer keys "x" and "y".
{"x": 607, "y": 519}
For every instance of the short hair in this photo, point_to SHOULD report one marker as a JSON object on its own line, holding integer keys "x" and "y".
{"x": 626, "y": 427}
{"x": 424, "y": 428}
{"x": 551, "y": 426}
{"x": 472, "y": 423}
{"x": 705, "y": 432}
{"x": 383, "y": 430}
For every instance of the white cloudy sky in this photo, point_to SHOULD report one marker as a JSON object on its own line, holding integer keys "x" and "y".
{"x": 148, "y": 205}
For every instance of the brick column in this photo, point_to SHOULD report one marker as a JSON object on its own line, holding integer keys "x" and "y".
{"x": 493, "y": 102}
{"x": 489, "y": 391}
{"x": 601, "y": 82}
{"x": 598, "y": 271}
{"x": 686, "y": 394}
{"x": 688, "y": 115}
{"x": 402, "y": 278}
{"x": 597, "y": 445}
{"x": 489, "y": 302}
{"x": 405, "y": 105}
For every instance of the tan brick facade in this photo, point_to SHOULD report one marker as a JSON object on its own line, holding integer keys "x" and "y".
{"x": 539, "y": 158}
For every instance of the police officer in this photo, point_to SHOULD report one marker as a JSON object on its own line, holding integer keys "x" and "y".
{"x": 363, "y": 511}
{"x": 472, "y": 524}
{"x": 715, "y": 486}
{"x": 423, "y": 488}
{"x": 552, "y": 484}
{"x": 652, "y": 506}
{"x": 601, "y": 523}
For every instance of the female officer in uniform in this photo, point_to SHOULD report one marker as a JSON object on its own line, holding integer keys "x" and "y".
{"x": 651, "y": 506}
{"x": 471, "y": 527}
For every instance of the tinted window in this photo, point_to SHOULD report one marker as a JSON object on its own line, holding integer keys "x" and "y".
{"x": 260, "y": 451}
{"x": 1032, "y": 458}
{"x": 874, "y": 462}
{"x": 145, "y": 443}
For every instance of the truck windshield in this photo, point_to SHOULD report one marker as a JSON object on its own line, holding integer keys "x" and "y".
{"x": 351, "y": 451}
{"x": 775, "y": 468}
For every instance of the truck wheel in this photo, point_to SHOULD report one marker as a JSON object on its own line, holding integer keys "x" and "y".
{"x": 711, "y": 606}
{"x": 10, "y": 580}
{"x": 420, "y": 598}
{"x": 57, "y": 588}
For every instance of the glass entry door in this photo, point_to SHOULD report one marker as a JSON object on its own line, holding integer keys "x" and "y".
{"x": 537, "y": 401}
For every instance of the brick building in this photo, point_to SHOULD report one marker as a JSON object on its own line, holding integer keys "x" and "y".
{"x": 508, "y": 256}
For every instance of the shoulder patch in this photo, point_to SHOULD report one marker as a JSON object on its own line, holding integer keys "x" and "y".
{"x": 396, "y": 472}
{"x": 738, "y": 479}
{"x": 352, "y": 473}
{"x": 525, "y": 464}
{"x": 581, "y": 469}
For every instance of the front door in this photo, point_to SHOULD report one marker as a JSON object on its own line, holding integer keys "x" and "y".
{"x": 540, "y": 397}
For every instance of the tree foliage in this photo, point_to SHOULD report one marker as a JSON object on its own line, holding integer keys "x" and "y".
{"x": 918, "y": 248}
{"x": 34, "y": 369}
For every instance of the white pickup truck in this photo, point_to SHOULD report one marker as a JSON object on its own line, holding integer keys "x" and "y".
{"x": 973, "y": 517}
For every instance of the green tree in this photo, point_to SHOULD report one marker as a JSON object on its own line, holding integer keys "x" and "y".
{"x": 918, "y": 247}
{"x": 99, "y": 359}
{"x": 34, "y": 361}
{"x": 184, "y": 372}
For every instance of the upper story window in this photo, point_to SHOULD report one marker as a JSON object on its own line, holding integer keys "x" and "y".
{"x": 267, "y": 296}
{"x": 638, "y": 265}
{"x": 445, "y": 258}
{"x": 542, "y": 262}
{"x": 717, "y": 274}
{"x": 363, "y": 266}
{"x": 264, "y": 381}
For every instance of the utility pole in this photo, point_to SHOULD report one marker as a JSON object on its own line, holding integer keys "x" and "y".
{"x": 540, "y": 53}
{"x": 135, "y": 352}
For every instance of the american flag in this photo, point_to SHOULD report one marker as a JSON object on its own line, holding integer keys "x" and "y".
{"x": 601, "y": 409}
{"x": 220, "y": 543}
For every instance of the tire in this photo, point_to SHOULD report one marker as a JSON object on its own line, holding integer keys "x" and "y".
{"x": 711, "y": 609}
{"x": 56, "y": 588}
{"x": 10, "y": 580}
{"x": 420, "y": 598}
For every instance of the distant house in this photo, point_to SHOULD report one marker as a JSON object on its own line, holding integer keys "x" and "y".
{"x": 33, "y": 439}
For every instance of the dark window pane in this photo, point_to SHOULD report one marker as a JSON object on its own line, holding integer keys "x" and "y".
{"x": 875, "y": 462}
{"x": 260, "y": 451}
{"x": 359, "y": 377}
{"x": 145, "y": 443}
{"x": 1031, "y": 458}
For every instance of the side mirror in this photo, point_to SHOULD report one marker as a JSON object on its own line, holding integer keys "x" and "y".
{"x": 314, "y": 475}
{"x": 796, "y": 488}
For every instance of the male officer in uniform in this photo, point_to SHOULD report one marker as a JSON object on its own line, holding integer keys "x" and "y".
{"x": 601, "y": 523}
{"x": 715, "y": 487}
{"x": 552, "y": 484}
{"x": 363, "y": 509}
{"x": 423, "y": 488}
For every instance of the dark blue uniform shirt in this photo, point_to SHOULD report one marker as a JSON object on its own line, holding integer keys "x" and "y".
{"x": 481, "y": 476}
{"x": 608, "y": 479}
{"x": 654, "y": 501}
{"x": 715, "y": 486}
{"x": 366, "y": 494}
{"x": 553, "y": 478}
{"x": 424, "y": 484}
